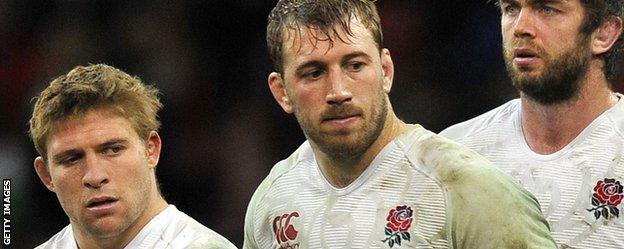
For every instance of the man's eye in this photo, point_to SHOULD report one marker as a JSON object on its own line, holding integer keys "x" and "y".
{"x": 313, "y": 74}
{"x": 548, "y": 10}
{"x": 355, "y": 66}
{"x": 510, "y": 9}
{"x": 114, "y": 150}
{"x": 70, "y": 160}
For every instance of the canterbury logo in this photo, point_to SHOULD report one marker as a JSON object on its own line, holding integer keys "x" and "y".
{"x": 284, "y": 229}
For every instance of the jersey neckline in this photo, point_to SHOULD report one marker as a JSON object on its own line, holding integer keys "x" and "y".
{"x": 568, "y": 148}
{"x": 362, "y": 178}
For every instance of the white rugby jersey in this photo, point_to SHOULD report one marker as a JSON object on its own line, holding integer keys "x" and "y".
{"x": 579, "y": 187}
{"x": 170, "y": 229}
{"x": 421, "y": 191}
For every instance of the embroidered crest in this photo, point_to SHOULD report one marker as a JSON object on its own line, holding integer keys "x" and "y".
{"x": 608, "y": 194}
{"x": 399, "y": 222}
{"x": 285, "y": 231}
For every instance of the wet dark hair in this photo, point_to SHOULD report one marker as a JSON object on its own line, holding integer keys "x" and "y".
{"x": 596, "y": 13}
{"x": 323, "y": 15}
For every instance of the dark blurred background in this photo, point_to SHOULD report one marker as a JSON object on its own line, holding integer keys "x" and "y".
{"x": 222, "y": 131}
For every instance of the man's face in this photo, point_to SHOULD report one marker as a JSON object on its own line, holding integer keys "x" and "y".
{"x": 545, "y": 52}
{"x": 338, "y": 92}
{"x": 101, "y": 172}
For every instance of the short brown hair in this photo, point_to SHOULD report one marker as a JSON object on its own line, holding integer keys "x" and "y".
{"x": 323, "y": 15}
{"x": 92, "y": 87}
{"x": 596, "y": 13}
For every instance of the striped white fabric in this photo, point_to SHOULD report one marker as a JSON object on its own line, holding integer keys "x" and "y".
{"x": 170, "y": 229}
{"x": 295, "y": 207}
{"x": 563, "y": 182}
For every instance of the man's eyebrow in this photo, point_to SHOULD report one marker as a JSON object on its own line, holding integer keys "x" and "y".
{"x": 541, "y": 2}
{"x": 319, "y": 64}
{"x": 529, "y": 2}
{"x": 354, "y": 55}
{"x": 113, "y": 141}
{"x": 308, "y": 64}
{"x": 59, "y": 157}
{"x": 500, "y": 2}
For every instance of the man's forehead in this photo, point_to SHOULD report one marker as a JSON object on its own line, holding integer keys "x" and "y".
{"x": 94, "y": 116}
{"x": 94, "y": 124}
{"x": 536, "y": 2}
{"x": 301, "y": 41}
{"x": 306, "y": 40}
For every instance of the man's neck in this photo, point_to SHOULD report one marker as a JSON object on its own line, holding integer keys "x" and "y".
{"x": 549, "y": 128}
{"x": 342, "y": 172}
{"x": 89, "y": 241}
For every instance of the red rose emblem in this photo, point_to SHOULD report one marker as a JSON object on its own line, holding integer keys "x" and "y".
{"x": 399, "y": 219}
{"x": 609, "y": 192}
{"x": 399, "y": 222}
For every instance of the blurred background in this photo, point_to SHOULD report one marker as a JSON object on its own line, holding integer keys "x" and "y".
{"x": 222, "y": 131}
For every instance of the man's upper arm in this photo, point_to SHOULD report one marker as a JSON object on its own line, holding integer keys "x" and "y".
{"x": 250, "y": 240}
{"x": 490, "y": 210}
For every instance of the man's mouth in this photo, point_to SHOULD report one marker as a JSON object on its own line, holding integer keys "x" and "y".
{"x": 99, "y": 202}
{"x": 341, "y": 121}
{"x": 524, "y": 53}
{"x": 525, "y": 58}
{"x": 339, "y": 117}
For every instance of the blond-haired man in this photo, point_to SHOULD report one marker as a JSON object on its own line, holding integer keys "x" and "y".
{"x": 96, "y": 132}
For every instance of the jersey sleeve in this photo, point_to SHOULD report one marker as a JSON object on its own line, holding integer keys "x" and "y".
{"x": 485, "y": 207}
{"x": 253, "y": 214}
{"x": 250, "y": 241}
{"x": 216, "y": 242}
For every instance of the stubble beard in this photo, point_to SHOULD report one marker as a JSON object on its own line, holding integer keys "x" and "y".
{"x": 561, "y": 78}
{"x": 356, "y": 144}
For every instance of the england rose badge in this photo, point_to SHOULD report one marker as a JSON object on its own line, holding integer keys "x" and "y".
{"x": 608, "y": 194}
{"x": 399, "y": 221}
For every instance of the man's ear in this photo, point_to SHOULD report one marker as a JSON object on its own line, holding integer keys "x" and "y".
{"x": 387, "y": 67}
{"x": 278, "y": 89}
{"x": 43, "y": 173}
{"x": 153, "y": 147}
{"x": 606, "y": 35}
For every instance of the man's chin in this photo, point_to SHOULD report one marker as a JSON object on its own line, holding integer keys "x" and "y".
{"x": 526, "y": 72}
{"x": 106, "y": 227}
{"x": 522, "y": 80}
{"x": 343, "y": 146}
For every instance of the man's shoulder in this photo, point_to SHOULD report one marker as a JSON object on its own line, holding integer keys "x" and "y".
{"x": 204, "y": 237}
{"x": 455, "y": 166}
{"x": 483, "y": 204}
{"x": 477, "y": 124}
{"x": 283, "y": 167}
{"x": 210, "y": 243}
{"x": 62, "y": 239}
{"x": 443, "y": 159}
{"x": 190, "y": 233}
{"x": 255, "y": 211}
